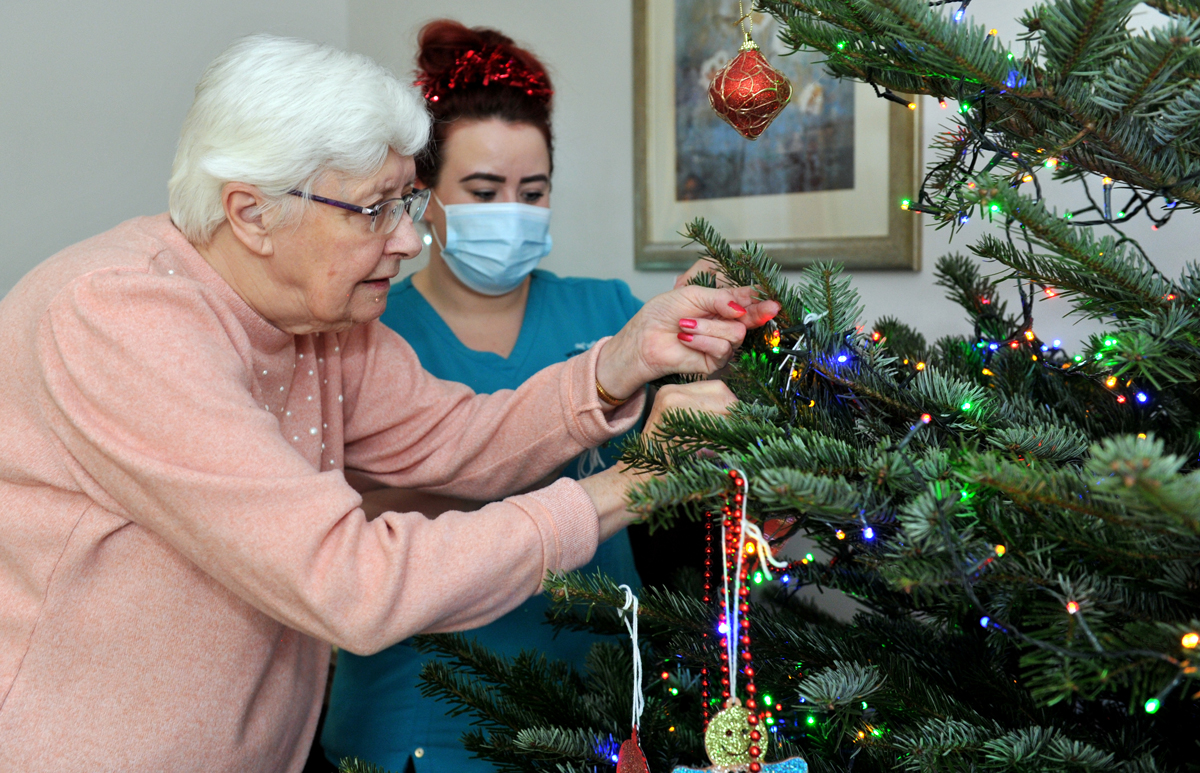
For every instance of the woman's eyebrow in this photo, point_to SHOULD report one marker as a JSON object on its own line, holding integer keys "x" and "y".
{"x": 385, "y": 186}
{"x": 492, "y": 178}
{"x": 535, "y": 178}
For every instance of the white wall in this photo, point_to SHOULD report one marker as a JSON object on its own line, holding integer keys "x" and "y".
{"x": 588, "y": 48}
{"x": 92, "y": 96}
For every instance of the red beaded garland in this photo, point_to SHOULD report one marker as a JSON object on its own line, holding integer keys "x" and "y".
{"x": 730, "y": 519}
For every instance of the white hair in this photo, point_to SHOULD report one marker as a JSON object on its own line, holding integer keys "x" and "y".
{"x": 277, "y": 113}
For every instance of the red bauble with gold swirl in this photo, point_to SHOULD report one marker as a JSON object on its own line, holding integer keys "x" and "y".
{"x": 748, "y": 92}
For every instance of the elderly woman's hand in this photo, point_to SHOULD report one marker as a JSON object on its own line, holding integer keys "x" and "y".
{"x": 688, "y": 330}
{"x": 704, "y": 396}
{"x": 699, "y": 267}
{"x": 608, "y": 489}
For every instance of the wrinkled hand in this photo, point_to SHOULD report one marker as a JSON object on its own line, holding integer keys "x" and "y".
{"x": 699, "y": 267}
{"x": 688, "y": 330}
{"x": 704, "y": 396}
{"x": 607, "y": 489}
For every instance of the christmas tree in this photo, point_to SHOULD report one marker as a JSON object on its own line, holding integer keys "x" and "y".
{"x": 1020, "y": 522}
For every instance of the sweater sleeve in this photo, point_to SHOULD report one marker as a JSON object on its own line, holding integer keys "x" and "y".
{"x": 439, "y": 436}
{"x": 144, "y": 386}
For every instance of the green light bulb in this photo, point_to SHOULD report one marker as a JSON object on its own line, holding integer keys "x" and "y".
{"x": 1152, "y": 705}
{"x": 811, "y": 720}
{"x": 809, "y": 557}
{"x": 767, "y": 701}
{"x": 966, "y": 406}
{"x": 841, "y": 45}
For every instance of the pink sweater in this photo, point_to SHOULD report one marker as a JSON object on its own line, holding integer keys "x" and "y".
{"x": 177, "y": 540}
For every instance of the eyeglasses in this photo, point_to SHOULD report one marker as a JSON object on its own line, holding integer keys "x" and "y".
{"x": 385, "y": 215}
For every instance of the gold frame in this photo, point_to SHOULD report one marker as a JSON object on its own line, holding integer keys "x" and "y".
{"x": 899, "y": 250}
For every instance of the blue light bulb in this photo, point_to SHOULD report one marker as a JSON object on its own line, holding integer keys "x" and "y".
{"x": 984, "y": 621}
{"x": 1141, "y": 397}
{"x": 868, "y": 533}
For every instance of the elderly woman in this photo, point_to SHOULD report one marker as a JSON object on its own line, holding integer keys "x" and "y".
{"x": 182, "y": 394}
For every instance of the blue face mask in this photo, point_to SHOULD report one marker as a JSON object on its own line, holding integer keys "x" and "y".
{"x": 491, "y": 248}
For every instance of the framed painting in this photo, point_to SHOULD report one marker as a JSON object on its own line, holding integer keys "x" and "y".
{"x": 823, "y": 182}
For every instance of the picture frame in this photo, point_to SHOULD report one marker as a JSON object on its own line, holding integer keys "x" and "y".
{"x": 794, "y": 194}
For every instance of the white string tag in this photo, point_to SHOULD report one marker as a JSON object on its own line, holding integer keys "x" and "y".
{"x": 762, "y": 547}
{"x": 631, "y": 625}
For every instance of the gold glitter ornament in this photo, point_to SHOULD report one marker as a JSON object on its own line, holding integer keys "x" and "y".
{"x": 727, "y": 739}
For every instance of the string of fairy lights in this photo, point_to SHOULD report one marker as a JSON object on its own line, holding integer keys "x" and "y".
{"x": 975, "y": 139}
{"x": 799, "y": 357}
{"x": 980, "y": 150}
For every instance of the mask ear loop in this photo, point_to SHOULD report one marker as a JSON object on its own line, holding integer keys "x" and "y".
{"x": 432, "y": 227}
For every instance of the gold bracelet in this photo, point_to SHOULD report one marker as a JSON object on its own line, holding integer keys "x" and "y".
{"x": 606, "y": 397}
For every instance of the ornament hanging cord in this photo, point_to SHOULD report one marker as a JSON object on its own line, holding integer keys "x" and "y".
{"x": 631, "y": 625}
{"x": 742, "y": 21}
{"x": 732, "y": 606}
{"x": 732, "y": 613}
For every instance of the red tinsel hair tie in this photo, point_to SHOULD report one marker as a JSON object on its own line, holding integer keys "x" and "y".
{"x": 484, "y": 68}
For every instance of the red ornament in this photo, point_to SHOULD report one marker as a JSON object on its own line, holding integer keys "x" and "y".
{"x": 631, "y": 759}
{"x": 748, "y": 92}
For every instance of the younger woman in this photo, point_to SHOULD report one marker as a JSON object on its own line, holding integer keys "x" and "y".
{"x": 481, "y": 313}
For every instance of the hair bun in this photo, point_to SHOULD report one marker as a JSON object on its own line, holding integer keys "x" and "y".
{"x": 453, "y": 56}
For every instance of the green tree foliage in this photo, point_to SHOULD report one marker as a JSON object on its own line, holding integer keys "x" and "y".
{"x": 1021, "y": 524}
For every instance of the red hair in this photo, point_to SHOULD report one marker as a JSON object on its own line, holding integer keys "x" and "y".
{"x": 477, "y": 74}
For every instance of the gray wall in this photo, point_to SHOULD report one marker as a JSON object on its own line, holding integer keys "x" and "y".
{"x": 92, "y": 96}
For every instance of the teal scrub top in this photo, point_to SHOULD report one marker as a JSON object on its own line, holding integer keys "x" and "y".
{"x": 376, "y": 712}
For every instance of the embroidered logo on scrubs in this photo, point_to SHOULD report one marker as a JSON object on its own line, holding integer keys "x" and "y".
{"x": 580, "y": 348}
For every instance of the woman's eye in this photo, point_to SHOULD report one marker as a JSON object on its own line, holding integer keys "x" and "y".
{"x": 532, "y": 197}
{"x": 484, "y": 195}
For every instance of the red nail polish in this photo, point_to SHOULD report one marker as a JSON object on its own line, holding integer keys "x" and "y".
{"x": 684, "y": 336}
{"x": 737, "y": 307}
{"x": 687, "y": 324}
